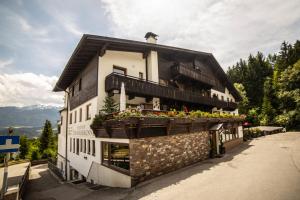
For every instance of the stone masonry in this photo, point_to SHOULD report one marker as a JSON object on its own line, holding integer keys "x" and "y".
{"x": 153, "y": 156}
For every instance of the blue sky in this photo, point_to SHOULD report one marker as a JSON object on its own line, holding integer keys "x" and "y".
{"x": 37, "y": 37}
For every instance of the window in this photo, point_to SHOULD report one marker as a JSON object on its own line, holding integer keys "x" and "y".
{"x": 93, "y": 148}
{"x": 84, "y": 147}
{"x": 222, "y": 97}
{"x": 77, "y": 146}
{"x": 79, "y": 84}
{"x": 70, "y": 144}
{"x": 61, "y": 120}
{"x": 81, "y": 145}
{"x": 74, "y": 145}
{"x": 80, "y": 115}
{"x": 88, "y": 112}
{"x": 141, "y": 75}
{"x": 227, "y": 99}
{"x": 116, "y": 155}
{"x": 75, "y": 116}
{"x": 70, "y": 118}
{"x": 119, "y": 70}
{"x": 88, "y": 146}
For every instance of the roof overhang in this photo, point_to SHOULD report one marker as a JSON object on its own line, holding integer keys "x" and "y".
{"x": 91, "y": 45}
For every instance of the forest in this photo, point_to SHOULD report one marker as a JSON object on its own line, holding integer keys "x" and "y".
{"x": 270, "y": 86}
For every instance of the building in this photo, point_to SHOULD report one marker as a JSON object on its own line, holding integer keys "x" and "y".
{"x": 156, "y": 77}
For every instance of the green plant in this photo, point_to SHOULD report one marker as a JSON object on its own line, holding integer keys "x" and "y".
{"x": 98, "y": 120}
{"x": 181, "y": 114}
{"x": 48, "y": 153}
{"x": 35, "y": 155}
{"x": 110, "y": 105}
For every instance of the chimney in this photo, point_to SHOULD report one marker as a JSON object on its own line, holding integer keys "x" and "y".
{"x": 151, "y": 37}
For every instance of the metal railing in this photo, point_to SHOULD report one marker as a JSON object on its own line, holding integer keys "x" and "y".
{"x": 58, "y": 172}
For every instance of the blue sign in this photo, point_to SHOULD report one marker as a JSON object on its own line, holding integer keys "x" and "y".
{"x": 9, "y": 144}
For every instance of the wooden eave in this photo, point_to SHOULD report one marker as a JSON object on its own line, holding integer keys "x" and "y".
{"x": 91, "y": 45}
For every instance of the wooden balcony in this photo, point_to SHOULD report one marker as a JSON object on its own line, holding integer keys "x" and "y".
{"x": 139, "y": 87}
{"x": 180, "y": 70}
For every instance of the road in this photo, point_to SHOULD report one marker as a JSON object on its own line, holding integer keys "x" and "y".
{"x": 15, "y": 174}
{"x": 264, "y": 168}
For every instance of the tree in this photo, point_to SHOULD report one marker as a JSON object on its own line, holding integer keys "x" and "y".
{"x": 252, "y": 74}
{"x": 243, "y": 105}
{"x": 110, "y": 105}
{"x": 267, "y": 110}
{"x": 24, "y": 147}
{"x": 46, "y": 139}
{"x": 289, "y": 93}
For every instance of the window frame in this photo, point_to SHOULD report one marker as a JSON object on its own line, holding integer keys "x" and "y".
{"x": 93, "y": 148}
{"x": 89, "y": 147}
{"x": 77, "y": 146}
{"x": 80, "y": 114}
{"x": 141, "y": 75}
{"x": 88, "y": 112}
{"x": 108, "y": 165}
{"x": 71, "y": 118}
{"x": 80, "y": 84}
{"x": 120, "y": 68}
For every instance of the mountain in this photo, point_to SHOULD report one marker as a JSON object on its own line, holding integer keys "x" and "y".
{"x": 27, "y": 120}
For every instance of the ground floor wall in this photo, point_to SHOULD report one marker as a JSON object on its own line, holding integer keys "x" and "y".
{"x": 154, "y": 156}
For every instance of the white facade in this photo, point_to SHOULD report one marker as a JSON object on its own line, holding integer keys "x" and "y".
{"x": 81, "y": 164}
{"x": 227, "y": 97}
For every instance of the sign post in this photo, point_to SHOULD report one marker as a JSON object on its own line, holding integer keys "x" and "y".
{"x": 8, "y": 144}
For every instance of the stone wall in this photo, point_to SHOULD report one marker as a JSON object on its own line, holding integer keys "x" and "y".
{"x": 150, "y": 157}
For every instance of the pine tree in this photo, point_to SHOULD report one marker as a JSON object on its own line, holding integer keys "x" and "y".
{"x": 243, "y": 105}
{"x": 46, "y": 139}
{"x": 267, "y": 110}
{"x": 110, "y": 105}
{"x": 24, "y": 147}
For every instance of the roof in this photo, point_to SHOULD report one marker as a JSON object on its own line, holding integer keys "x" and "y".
{"x": 150, "y": 34}
{"x": 90, "y": 45}
{"x": 216, "y": 127}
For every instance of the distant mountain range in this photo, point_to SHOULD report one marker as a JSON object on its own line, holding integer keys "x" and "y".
{"x": 27, "y": 120}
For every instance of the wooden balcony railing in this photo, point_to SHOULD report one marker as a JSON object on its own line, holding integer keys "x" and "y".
{"x": 143, "y": 88}
{"x": 194, "y": 74}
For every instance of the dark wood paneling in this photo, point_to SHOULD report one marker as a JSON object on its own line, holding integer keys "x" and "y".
{"x": 89, "y": 84}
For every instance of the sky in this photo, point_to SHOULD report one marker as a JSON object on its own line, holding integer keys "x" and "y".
{"x": 37, "y": 37}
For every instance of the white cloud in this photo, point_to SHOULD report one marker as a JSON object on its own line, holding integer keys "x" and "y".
{"x": 22, "y": 89}
{"x": 230, "y": 29}
{"x": 5, "y": 63}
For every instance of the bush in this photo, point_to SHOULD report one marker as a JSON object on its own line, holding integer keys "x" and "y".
{"x": 48, "y": 153}
{"x": 35, "y": 155}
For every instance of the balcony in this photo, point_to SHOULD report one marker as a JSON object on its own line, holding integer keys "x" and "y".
{"x": 180, "y": 70}
{"x": 138, "y": 87}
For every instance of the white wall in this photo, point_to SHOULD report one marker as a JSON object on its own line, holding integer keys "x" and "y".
{"x": 133, "y": 62}
{"x": 105, "y": 176}
{"x": 225, "y": 95}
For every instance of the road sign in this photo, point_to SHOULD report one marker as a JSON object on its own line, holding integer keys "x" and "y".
{"x": 9, "y": 144}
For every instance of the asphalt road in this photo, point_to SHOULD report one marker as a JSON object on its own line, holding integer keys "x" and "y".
{"x": 265, "y": 168}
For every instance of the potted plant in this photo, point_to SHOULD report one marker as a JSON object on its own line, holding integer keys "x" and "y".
{"x": 98, "y": 125}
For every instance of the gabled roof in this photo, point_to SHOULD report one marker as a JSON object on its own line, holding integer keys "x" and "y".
{"x": 90, "y": 45}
